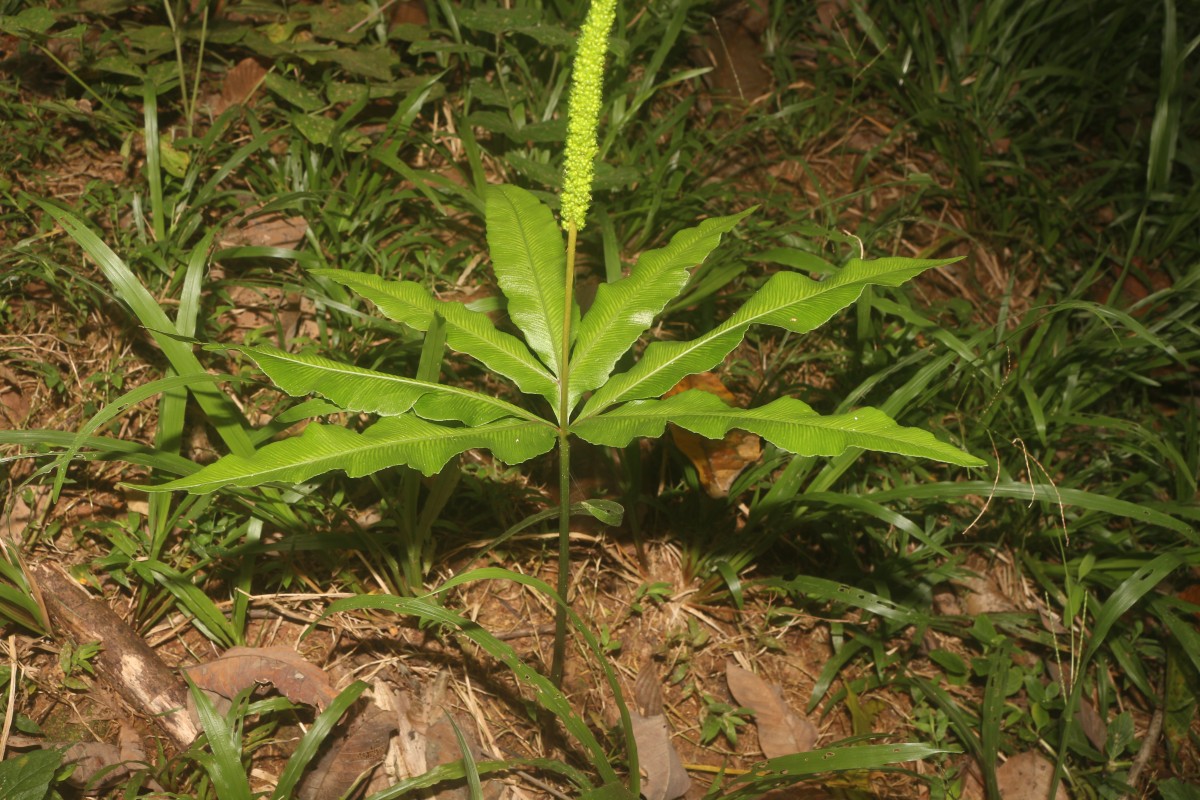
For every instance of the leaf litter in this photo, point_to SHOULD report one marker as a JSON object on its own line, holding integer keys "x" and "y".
{"x": 663, "y": 774}
{"x": 781, "y": 731}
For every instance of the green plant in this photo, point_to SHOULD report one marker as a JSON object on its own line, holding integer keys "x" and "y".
{"x": 567, "y": 360}
{"x": 564, "y": 367}
{"x": 77, "y": 659}
{"x": 722, "y": 719}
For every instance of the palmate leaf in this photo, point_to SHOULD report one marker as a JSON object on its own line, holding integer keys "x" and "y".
{"x": 392, "y": 441}
{"x": 467, "y": 331}
{"x": 787, "y": 299}
{"x": 626, "y": 308}
{"x": 530, "y": 262}
{"x": 359, "y": 389}
{"x": 787, "y": 423}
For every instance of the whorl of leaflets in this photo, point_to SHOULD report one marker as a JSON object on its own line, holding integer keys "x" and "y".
{"x": 583, "y": 112}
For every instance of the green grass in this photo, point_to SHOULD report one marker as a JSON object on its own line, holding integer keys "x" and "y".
{"x": 1057, "y": 140}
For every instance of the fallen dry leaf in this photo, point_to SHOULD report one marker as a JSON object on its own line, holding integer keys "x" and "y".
{"x": 14, "y": 401}
{"x": 663, "y": 773}
{"x": 346, "y": 758}
{"x": 781, "y": 731}
{"x": 972, "y": 780}
{"x": 239, "y": 667}
{"x": 718, "y": 462}
{"x": 662, "y": 770}
{"x": 408, "y": 12}
{"x": 1090, "y": 722}
{"x": 250, "y": 229}
{"x": 239, "y": 85}
{"x": 95, "y": 761}
{"x": 98, "y": 765}
{"x": 1027, "y": 776}
{"x": 19, "y": 515}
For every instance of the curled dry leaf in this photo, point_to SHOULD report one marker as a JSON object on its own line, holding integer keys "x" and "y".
{"x": 1090, "y": 722}
{"x": 718, "y": 462}
{"x": 19, "y": 515}
{"x": 349, "y": 757}
{"x": 972, "y": 780}
{"x": 1027, "y": 776}
{"x": 781, "y": 731}
{"x": 240, "y": 83}
{"x": 14, "y": 401}
{"x": 284, "y": 668}
{"x": 663, "y": 774}
{"x": 97, "y": 765}
{"x": 996, "y": 588}
{"x": 272, "y": 229}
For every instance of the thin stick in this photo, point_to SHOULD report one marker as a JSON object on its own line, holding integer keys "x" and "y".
{"x": 1146, "y": 750}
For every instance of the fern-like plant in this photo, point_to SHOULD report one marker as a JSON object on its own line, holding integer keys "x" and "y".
{"x": 565, "y": 357}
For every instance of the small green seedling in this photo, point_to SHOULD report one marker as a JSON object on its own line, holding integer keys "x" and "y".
{"x": 76, "y": 660}
{"x": 566, "y": 358}
{"x": 722, "y": 719}
{"x": 657, "y": 593}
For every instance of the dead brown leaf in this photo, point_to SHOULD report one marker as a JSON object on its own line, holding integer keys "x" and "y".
{"x": 662, "y": 770}
{"x": 718, "y": 462}
{"x": 239, "y": 667}
{"x": 239, "y": 85}
{"x": 19, "y": 515}
{"x": 14, "y": 401}
{"x": 972, "y": 780}
{"x": 349, "y": 757}
{"x": 781, "y": 731}
{"x": 264, "y": 230}
{"x": 663, "y": 773}
{"x": 1093, "y": 725}
{"x": 1027, "y": 776}
{"x": 98, "y": 765}
{"x": 95, "y": 761}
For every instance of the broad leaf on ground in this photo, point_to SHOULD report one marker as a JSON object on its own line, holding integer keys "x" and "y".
{"x": 781, "y": 731}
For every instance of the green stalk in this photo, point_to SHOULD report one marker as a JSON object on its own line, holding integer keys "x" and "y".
{"x": 583, "y": 112}
{"x": 564, "y": 469}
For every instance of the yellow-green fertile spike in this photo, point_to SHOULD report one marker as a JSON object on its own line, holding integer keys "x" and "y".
{"x": 583, "y": 112}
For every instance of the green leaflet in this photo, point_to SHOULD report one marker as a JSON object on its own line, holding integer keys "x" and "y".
{"x": 625, "y": 309}
{"x": 530, "y": 262}
{"x": 788, "y": 300}
{"x": 467, "y": 331}
{"x": 359, "y": 389}
{"x": 787, "y": 423}
{"x": 406, "y": 439}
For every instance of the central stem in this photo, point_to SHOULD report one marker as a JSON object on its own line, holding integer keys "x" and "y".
{"x": 564, "y": 467}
